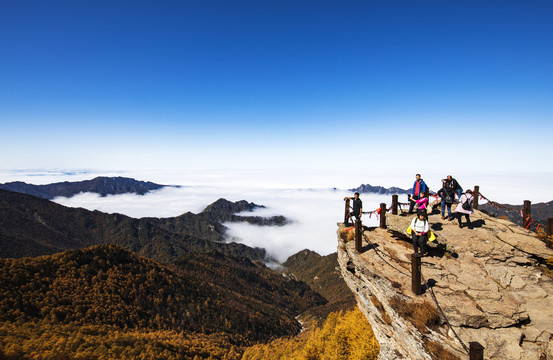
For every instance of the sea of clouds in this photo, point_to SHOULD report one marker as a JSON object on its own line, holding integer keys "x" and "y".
{"x": 312, "y": 200}
{"x": 313, "y": 213}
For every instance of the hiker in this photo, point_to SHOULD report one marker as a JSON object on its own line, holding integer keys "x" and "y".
{"x": 419, "y": 231}
{"x": 447, "y": 194}
{"x": 466, "y": 203}
{"x": 418, "y": 187}
{"x": 450, "y": 182}
{"x": 357, "y": 206}
{"x": 422, "y": 203}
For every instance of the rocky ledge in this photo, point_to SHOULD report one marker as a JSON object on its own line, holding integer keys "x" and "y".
{"x": 489, "y": 284}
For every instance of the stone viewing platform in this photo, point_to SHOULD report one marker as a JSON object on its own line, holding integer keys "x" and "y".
{"x": 488, "y": 286}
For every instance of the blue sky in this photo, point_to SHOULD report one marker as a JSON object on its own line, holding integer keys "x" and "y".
{"x": 419, "y": 85}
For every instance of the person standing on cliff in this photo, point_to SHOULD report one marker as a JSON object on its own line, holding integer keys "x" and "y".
{"x": 466, "y": 207}
{"x": 357, "y": 208}
{"x": 418, "y": 187}
{"x": 451, "y": 183}
{"x": 419, "y": 231}
{"x": 447, "y": 195}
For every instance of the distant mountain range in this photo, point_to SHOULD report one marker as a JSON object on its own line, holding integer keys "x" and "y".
{"x": 366, "y": 188}
{"x": 100, "y": 185}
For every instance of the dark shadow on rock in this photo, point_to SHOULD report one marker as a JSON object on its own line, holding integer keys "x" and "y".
{"x": 437, "y": 226}
{"x": 439, "y": 250}
{"x": 477, "y": 223}
{"x": 367, "y": 228}
{"x": 430, "y": 283}
{"x": 435, "y": 251}
{"x": 369, "y": 247}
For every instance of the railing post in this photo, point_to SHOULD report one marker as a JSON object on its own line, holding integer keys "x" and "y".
{"x": 358, "y": 235}
{"x": 476, "y": 351}
{"x": 383, "y": 216}
{"x": 549, "y": 233}
{"x": 394, "y": 204}
{"x": 416, "y": 273}
{"x": 346, "y": 213}
{"x": 476, "y": 195}
{"x": 526, "y": 213}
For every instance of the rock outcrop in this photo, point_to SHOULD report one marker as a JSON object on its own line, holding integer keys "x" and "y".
{"x": 489, "y": 284}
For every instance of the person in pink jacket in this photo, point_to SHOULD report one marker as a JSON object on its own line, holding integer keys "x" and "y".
{"x": 422, "y": 203}
{"x": 465, "y": 206}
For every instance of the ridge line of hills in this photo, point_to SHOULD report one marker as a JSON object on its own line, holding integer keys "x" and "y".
{"x": 367, "y": 188}
{"x": 101, "y": 185}
{"x": 32, "y": 226}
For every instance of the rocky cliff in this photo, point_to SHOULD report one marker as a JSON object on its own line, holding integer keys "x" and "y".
{"x": 490, "y": 284}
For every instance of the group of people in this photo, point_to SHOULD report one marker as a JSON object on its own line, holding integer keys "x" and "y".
{"x": 450, "y": 192}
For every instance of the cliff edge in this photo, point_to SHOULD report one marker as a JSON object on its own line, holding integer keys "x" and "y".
{"x": 489, "y": 284}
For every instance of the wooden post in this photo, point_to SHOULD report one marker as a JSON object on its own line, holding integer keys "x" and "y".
{"x": 394, "y": 204}
{"x": 476, "y": 351}
{"x": 549, "y": 233}
{"x": 358, "y": 235}
{"x": 526, "y": 213}
{"x": 476, "y": 195}
{"x": 383, "y": 216}
{"x": 346, "y": 213}
{"x": 416, "y": 273}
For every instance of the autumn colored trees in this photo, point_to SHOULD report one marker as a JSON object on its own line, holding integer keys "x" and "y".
{"x": 342, "y": 336}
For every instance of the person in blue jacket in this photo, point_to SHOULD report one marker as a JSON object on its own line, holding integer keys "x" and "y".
{"x": 418, "y": 188}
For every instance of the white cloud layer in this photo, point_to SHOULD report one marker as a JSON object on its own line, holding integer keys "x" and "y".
{"x": 313, "y": 212}
{"x": 304, "y": 196}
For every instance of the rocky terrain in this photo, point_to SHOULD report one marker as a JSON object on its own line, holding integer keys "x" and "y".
{"x": 540, "y": 212}
{"x": 490, "y": 284}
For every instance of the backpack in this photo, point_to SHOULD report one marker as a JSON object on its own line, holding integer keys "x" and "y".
{"x": 448, "y": 199}
{"x": 467, "y": 205}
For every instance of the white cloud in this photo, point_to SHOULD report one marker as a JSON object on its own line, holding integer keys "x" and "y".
{"x": 303, "y": 196}
{"x": 314, "y": 213}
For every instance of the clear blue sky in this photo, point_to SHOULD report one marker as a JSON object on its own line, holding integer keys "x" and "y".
{"x": 146, "y": 84}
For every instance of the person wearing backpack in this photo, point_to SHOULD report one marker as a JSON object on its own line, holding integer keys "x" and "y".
{"x": 419, "y": 231}
{"x": 447, "y": 194}
{"x": 450, "y": 182}
{"x": 465, "y": 206}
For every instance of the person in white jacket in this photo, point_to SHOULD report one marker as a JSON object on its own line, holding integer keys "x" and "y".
{"x": 419, "y": 231}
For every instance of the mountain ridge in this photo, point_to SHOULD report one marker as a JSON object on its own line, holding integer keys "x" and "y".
{"x": 101, "y": 185}
{"x": 367, "y": 188}
{"x": 32, "y": 226}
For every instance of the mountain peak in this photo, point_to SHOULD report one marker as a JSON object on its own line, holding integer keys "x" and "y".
{"x": 229, "y": 207}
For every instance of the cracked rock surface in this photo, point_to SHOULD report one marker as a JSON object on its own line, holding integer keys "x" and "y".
{"x": 488, "y": 284}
